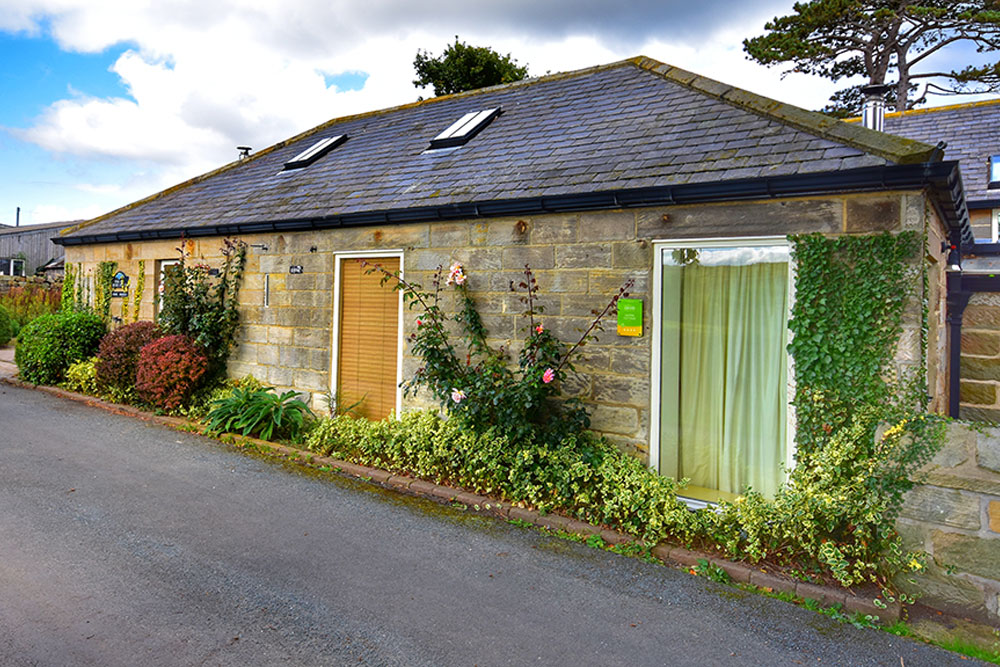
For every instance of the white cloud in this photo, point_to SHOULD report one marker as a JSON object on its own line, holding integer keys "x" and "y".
{"x": 204, "y": 77}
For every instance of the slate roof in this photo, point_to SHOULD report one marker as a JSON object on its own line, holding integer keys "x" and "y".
{"x": 632, "y": 124}
{"x": 7, "y": 229}
{"x": 972, "y": 132}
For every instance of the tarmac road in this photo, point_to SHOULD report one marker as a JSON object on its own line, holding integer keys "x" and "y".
{"x": 126, "y": 543}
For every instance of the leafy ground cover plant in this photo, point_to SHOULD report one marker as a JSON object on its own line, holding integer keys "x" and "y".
{"x": 478, "y": 384}
{"x": 49, "y": 344}
{"x": 81, "y": 377}
{"x": 28, "y": 302}
{"x": 169, "y": 371}
{"x": 260, "y": 411}
{"x": 118, "y": 356}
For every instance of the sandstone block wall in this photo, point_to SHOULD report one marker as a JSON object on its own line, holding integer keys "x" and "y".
{"x": 980, "y": 388}
{"x": 954, "y": 516}
{"x": 7, "y": 282}
{"x": 579, "y": 260}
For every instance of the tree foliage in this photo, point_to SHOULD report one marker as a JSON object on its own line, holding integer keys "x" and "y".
{"x": 462, "y": 67}
{"x": 887, "y": 42}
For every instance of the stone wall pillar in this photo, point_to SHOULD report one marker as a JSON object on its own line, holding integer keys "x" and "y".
{"x": 980, "y": 388}
{"x": 954, "y": 516}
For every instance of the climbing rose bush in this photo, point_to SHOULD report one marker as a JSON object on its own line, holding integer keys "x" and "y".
{"x": 478, "y": 383}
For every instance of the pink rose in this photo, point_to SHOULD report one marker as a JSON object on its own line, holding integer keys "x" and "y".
{"x": 548, "y": 376}
{"x": 457, "y": 395}
{"x": 456, "y": 274}
{"x": 539, "y": 329}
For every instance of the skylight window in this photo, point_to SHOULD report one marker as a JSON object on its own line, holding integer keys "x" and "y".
{"x": 465, "y": 128}
{"x": 994, "y": 171}
{"x": 315, "y": 152}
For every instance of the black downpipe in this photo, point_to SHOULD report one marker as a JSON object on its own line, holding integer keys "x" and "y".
{"x": 957, "y": 300}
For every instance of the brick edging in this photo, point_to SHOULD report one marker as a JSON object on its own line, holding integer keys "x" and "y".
{"x": 739, "y": 572}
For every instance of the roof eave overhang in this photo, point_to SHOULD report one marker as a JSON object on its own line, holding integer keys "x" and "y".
{"x": 942, "y": 179}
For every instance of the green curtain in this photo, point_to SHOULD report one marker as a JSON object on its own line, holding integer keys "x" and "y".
{"x": 725, "y": 377}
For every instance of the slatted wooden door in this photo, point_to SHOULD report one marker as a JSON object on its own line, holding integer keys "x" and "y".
{"x": 368, "y": 343}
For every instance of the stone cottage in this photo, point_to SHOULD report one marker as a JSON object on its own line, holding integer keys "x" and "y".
{"x": 591, "y": 178}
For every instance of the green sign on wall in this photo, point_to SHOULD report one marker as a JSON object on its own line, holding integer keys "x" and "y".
{"x": 629, "y": 317}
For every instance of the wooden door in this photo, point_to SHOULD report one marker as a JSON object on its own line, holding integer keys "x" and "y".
{"x": 367, "y": 352}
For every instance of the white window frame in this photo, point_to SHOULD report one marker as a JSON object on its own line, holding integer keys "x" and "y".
{"x": 995, "y": 225}
{"x": 160, "y": 284}
{"x": 12, "y": 263}
{"x": 335, "y": 343}
{"x": 656, "y": 372}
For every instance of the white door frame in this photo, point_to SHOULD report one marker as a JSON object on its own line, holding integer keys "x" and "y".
{"x": 656, "y": 372}
{"x": 335, "y": 344}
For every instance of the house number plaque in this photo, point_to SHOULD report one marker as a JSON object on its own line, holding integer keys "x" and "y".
{"x": 119, "y": 285}
{"x": 295, "y": 268}
{"x": 629, "y": 317}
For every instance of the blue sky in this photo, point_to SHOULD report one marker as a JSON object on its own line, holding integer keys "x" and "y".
{"x": 103, "y": 102}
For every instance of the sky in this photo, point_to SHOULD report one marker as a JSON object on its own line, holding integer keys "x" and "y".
{"x": 103, "y": 102}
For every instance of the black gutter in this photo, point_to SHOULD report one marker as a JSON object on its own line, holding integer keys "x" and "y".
{"x": 984, "y": 203}
{"x": 981, "y": 249}
{"x": 942, "y": 178}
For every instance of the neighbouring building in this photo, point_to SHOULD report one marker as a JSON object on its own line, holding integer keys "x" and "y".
{"x": 24, "y": 250}
{"x": 971, "y": 134}
{"x": 591, "y": 178}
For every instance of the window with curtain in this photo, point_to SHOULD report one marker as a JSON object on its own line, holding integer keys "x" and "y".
{"x": 724, "y": 368}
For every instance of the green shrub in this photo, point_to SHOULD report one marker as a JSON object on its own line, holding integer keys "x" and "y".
{"x": 262, "y": 412}
{"x": 81, "y": 377}
{"x": 49, "y": 344}
{"x": 6, "y": 326}
{"x": 118, "y": 355}
{"x": 169, "y": 371}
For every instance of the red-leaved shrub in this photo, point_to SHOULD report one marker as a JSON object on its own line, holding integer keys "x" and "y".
{"x": 118, "y": 355}
{"x": 169, "y": 371}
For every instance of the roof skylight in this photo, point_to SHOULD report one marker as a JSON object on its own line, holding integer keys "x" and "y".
{"x": 994, "y": 172}
{"x": 315, "y": 152}
{"x": 465, "y": 128}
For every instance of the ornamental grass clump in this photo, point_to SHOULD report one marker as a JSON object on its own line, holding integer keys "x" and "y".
{"x": 7, "y": 330}
{"x": 25, "y": 303}
{"x": 478, "y": 384}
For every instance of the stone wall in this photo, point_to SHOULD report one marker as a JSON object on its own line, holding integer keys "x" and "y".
{"x": 954, "y": 516}
{"x": 980, "y": 388}
{"x": 7, "y": 282}
{"x": 579, "y": 260}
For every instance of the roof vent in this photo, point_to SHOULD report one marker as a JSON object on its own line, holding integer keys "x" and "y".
{"x": 465, "y": 128}
{"x": 315, "y": 152}
{"x": 873, "y": 112}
